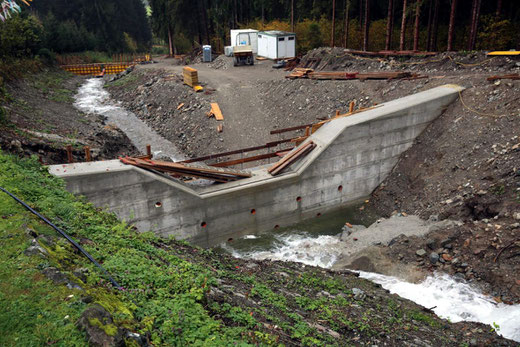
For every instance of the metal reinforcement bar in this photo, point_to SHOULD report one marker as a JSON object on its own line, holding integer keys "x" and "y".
{"x": 238, "y": 151}
{"x": 65, "y": 235}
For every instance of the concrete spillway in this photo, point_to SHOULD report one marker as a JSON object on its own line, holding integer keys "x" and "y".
{"x": 353, "y": 156}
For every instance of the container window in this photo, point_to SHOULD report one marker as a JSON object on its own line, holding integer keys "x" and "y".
{"x": 291, "y": 38}
{"x": 281, "y": 39}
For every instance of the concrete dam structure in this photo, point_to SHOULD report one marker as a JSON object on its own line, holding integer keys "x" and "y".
{"x": 353, "y": 155}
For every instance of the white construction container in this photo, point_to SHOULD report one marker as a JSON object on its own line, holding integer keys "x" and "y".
{"x": 244, "y": 37}
{"x": 276, "y": 44}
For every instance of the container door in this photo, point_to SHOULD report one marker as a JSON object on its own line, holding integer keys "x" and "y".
{"x": 291, "y": 47}
{"x": 282, "y": 47}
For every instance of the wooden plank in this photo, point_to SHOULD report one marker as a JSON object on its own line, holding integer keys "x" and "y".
{"x": 514, "y": 76}
{"x": 290, "y": 158}
{"x": 212, "y": 173}
{"x": 215, "y": 109}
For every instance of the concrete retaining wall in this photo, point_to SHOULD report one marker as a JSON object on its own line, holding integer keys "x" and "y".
{"x": 353, "y": 156}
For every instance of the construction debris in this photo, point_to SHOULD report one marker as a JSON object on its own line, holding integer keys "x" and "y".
{"x": 191, "y": 76}
{"x": 513, "y": 76}
{"x": 215, "y": 112}
{"x": 180, "y": 106}
{"x": 290, "y": 158}
{"x": 186, "y": 170}
{"x": 220, "y": 128}
{"x": 342, "y": 75}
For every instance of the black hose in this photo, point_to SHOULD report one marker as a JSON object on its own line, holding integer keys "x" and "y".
{"x": 74, "y": 243}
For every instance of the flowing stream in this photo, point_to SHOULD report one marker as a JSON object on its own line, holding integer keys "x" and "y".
{"x": 449, "y": 297}
{"x": 92, "y": 98}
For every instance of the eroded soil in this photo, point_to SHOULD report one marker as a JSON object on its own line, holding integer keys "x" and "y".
{"x": 42, "y": 120}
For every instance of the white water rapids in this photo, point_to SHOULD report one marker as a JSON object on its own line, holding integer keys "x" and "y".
{"x": 451, "y": 298}
{"x": 92, "y": 98}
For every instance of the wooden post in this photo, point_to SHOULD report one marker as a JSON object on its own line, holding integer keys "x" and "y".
{"x": 351, "y": 107}
{"x": 88, "y": 157}
{"x": 70, "y": 159}
{"x": 149, "y": 151}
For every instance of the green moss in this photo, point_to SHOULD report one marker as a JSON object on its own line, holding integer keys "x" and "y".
{"x": 109, "y": 329}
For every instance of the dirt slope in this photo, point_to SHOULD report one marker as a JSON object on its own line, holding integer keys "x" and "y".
{"x": 42, "y": 120}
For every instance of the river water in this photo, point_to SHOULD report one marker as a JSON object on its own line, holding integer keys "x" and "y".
{"x": 93, "y": 98}
{"x": 317, "y": 243}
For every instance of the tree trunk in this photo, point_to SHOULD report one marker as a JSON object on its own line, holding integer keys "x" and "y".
{"x": 360, "y": 16}
{"x": 263, "y": 18}
{"x": 475, "y": 26}
{"x": 403, "y": 27}
{"x": 499, "y": 8}
{"x": 235, "y": 25}
{"x": 332, "y": 42}
{"x": 416, "y": 27}
{"x": 451, "y": 28}
{"x": 367, "y": 25}
{"x": 346, "y": 22}
{"x": 205, "y": 20}
{"x": 389, "y": 25}
{"x": 170, "y": 41}
{"x": 292, "y": 15}
{"x": 429, "y": 37}
{"x": 435, "y": 25}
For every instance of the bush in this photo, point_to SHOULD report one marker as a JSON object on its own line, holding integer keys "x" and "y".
{"x": 46, "y": 56}
{"x": 495, "y": 34}
{"x": 20, "y": 37}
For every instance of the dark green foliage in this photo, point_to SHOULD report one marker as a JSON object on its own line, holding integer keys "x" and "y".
{"x": 314, "y": 35}
{"x": 80, "y": 25}
{"x": 20, "y": 37}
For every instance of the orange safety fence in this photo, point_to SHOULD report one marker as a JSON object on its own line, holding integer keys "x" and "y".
{"x": 96, "y": 69}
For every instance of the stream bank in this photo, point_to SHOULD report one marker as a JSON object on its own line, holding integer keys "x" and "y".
{"x": 356, "y": 247}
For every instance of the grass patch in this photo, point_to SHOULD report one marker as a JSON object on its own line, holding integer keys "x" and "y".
{"x": 51, "y": 85}
{"x": 125, "y": 81}
{"x": 167, "y": 290}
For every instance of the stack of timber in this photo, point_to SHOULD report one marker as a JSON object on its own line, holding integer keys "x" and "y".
{"x": 188, "y": 170}
{"x": 343, "y": 75}
{"x": 291, "y": 158}
{"x": 191, "y": 76}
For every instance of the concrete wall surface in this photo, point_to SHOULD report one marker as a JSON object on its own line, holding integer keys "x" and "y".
{"x": 353, "y": 156}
